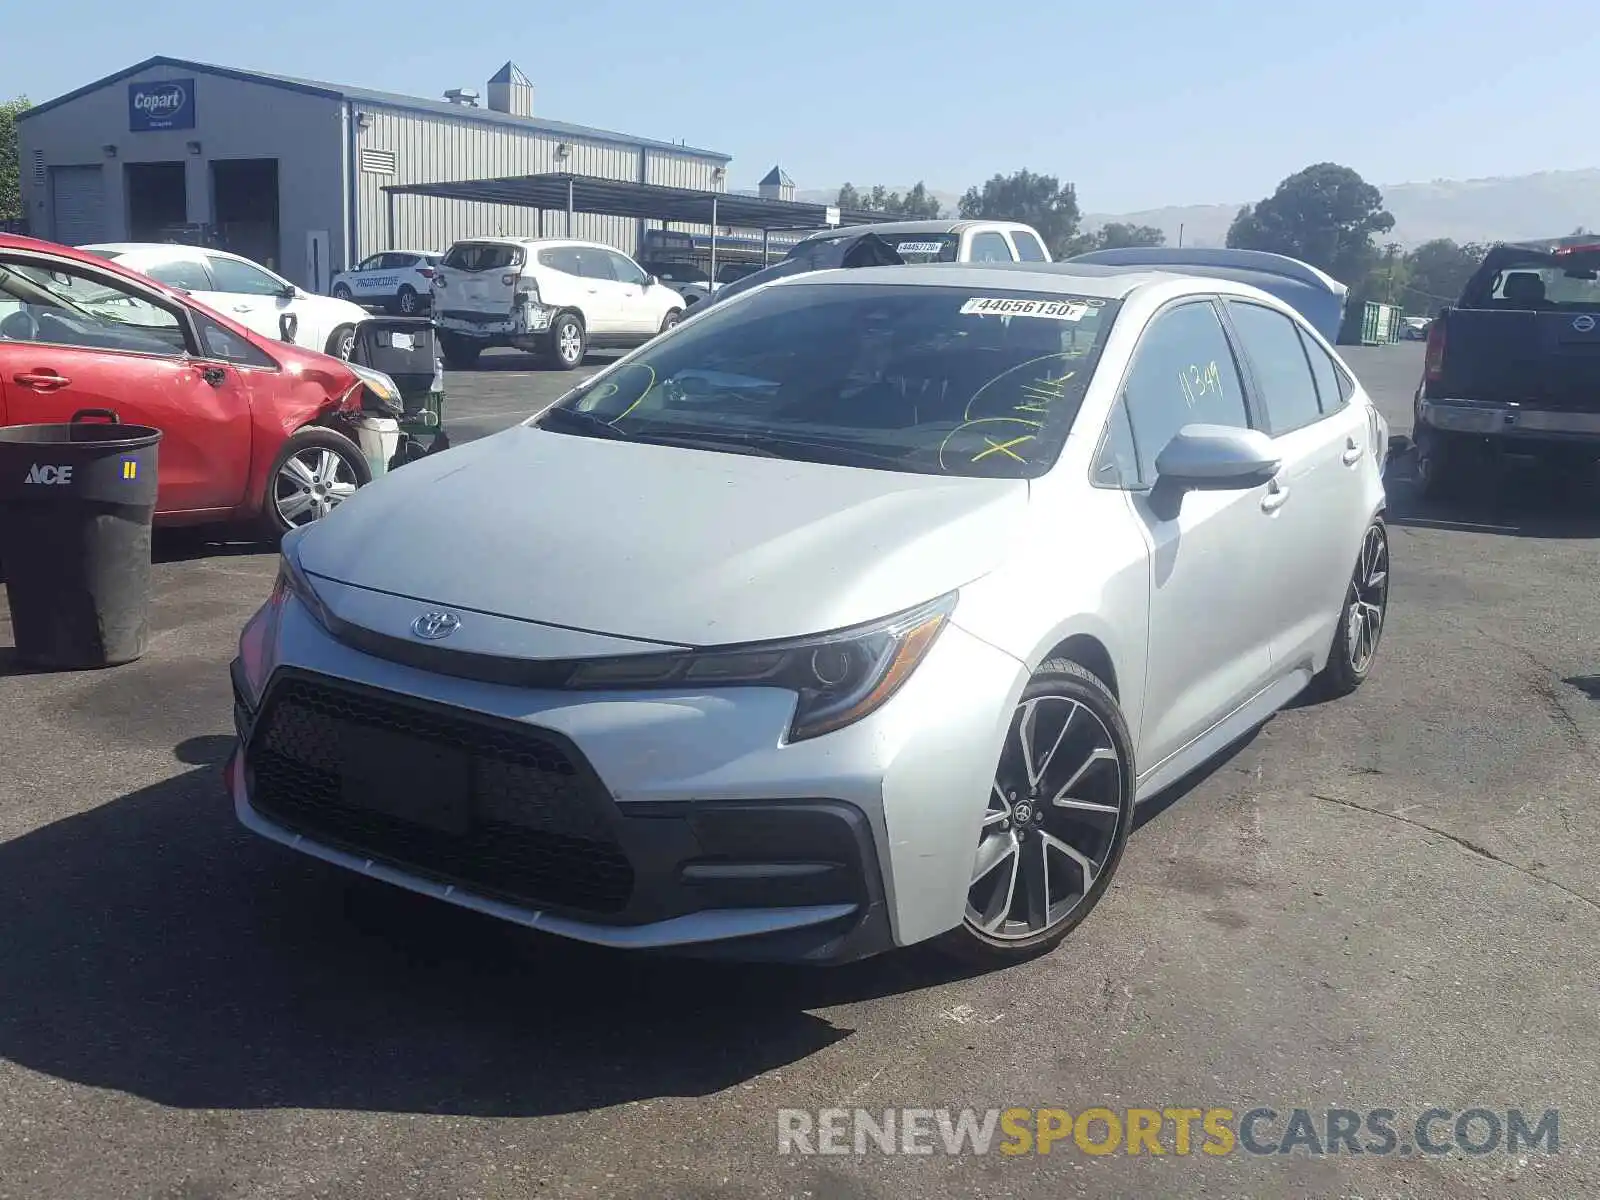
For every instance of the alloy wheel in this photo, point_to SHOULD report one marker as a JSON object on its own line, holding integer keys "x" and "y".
{"x": 569, "y": 342}
{"x": 1367, "y": 601}
{"x": 1052, "y": 823}
{"x": 311, "y": 484}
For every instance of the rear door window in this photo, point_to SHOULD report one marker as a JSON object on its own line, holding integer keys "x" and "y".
{"x": 241, "y": 279}
{"x": 189, "y": 275}
{"x": 561, "y": 258}
{"x": 1028, "y": 247}
{"x": 1278, "y": 361}
{"x": 990, "y": 246}
{"x": 595, "y": 264}
{"x": 1331, "y": 393}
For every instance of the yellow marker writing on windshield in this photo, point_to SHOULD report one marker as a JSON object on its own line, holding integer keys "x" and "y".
{"x": 1003, "y": 448}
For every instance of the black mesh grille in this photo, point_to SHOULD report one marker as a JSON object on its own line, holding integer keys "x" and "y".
{"x": 499, "y": 810}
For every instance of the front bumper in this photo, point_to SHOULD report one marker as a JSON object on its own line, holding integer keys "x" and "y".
{"x": 669, "y": 821}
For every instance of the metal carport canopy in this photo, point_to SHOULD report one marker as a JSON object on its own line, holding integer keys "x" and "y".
{"x": 564, "y": 192}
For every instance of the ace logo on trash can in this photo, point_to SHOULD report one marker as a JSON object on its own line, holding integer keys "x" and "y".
{"x": 47, "y": 473}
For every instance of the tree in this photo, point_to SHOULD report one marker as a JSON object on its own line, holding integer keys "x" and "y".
{"x": 1042, "y": 201}
{"x": 916, "y": 204}
{"x": 1325, "y": 215}
{"x": 11, "y": 208}
{"x": 1116, "y": 234}
{"x": 1436, "y": 272}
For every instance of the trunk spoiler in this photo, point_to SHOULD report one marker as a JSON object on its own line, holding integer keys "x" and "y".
{"x": 1315, "y": 295}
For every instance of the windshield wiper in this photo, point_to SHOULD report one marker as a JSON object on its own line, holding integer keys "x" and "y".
{"x": 582, "y": 423}
{"x": 731, "y": 442}
{"x": 589, "y": 424}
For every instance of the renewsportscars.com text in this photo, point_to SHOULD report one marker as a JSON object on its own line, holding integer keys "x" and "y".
{"x": 1178, "y": 1130}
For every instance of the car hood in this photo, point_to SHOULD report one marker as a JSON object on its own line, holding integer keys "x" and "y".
{"x": 662, "y": 544}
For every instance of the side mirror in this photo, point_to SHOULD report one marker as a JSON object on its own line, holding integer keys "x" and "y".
{"x": 652, "y": 281}
{"x": 1216, "y": 458}
{"x": 288, "y": 291}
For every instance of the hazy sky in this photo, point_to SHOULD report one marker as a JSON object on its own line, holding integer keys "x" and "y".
{"x": 1141, "y": 103}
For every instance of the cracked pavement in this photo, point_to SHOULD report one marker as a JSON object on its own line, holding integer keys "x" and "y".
{"x": 1388, "y": 901}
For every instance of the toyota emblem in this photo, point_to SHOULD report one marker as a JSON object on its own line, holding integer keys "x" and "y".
{"x": 435, "y": 625}
{"x": 1583, "y": 324}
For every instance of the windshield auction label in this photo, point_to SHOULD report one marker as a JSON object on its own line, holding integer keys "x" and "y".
{"x": 919, "y": 247}
{"x": 1050, "y": 310}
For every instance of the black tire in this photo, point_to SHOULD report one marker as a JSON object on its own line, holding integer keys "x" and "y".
{"x": 341, "y": 341}
{"x": 568, "y": 342}
{"x": 406, "y": 302}
{"x": 459, "y": 353}
{"x": 1057, "y": 686}
{"x": 1361, "y": 619}
{"x": 340, "y": 292}
{"x": 670, "y": 321}
{"x": 273, "y": 523}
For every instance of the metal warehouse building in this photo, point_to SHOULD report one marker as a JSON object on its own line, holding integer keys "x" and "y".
{"x": 291, "y": 172}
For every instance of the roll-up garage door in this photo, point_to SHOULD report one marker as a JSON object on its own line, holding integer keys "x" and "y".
{"x": 78, "y": 200}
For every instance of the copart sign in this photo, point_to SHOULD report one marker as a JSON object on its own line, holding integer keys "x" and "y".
{"x": 168, "y": 104}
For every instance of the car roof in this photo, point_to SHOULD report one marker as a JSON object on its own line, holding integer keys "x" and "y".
{"x": 1111, "y": 283}
{"x": 180, "y": 249}
{"x": 530, "y": 241}
{"x": 939, "y": 225}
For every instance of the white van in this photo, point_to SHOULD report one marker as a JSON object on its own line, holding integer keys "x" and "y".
{"x": 952, "y": 239}
{"x": 552, "y": 296}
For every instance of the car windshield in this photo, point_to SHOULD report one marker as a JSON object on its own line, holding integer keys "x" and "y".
{"x": 929, "y": 379}
{"x": 731, "y": 272}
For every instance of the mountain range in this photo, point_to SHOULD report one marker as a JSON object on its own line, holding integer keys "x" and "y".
{"x": 1509, "y": 208}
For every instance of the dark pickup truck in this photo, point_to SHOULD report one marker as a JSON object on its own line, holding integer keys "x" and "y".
{"x": 1513, "y": 368}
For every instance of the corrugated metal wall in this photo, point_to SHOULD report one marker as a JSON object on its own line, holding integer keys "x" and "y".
{"x": 683, "y": 171}
{"x": 429, "y": 148}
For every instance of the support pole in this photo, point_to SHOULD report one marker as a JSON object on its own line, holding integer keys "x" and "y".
{"x": 569, "y": 207}
{"x": 389, "y": 217}
{"x": 766, "y": 234}
{"x": 713, "y": 241}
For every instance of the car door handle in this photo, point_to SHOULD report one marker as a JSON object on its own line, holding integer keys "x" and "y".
{"x": 241, "y": 308}
{"x": 1352, "y": 452}
{"x": 41, "y": 381}
{"x": 1275, "y": 498}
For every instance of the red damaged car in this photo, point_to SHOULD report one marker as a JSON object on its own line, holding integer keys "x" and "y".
{"x": 256, "y": 432}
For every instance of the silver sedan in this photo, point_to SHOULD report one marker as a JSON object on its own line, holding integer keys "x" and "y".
{"x": 859, "y": 611}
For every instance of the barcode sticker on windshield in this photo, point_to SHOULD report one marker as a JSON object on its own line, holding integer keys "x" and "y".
{"x": 919, "y": 247}
{"x": 1050, "y": 310}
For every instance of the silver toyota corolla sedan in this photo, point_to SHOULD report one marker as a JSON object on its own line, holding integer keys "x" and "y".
{"x": 858, "y": 611}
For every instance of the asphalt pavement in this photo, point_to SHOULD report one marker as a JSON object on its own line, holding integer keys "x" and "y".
{"x": 1387, "y": 902}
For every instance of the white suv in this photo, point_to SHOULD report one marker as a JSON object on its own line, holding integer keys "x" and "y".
{"x": 555, "y": 297}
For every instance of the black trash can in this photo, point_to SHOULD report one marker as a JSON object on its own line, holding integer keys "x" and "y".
{"x": 76, "y": 502}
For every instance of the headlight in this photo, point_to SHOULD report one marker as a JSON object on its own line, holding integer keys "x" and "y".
{"x": 258, "y": 642}
{"x": 839, "y": 677}
{"x": 382, "y": 389}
